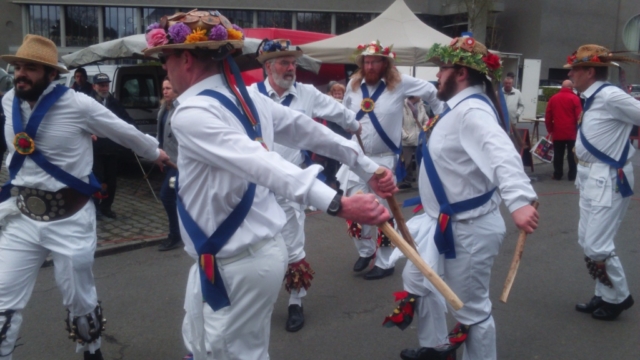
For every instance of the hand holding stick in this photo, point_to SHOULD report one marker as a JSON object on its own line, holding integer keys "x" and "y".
{"x": 397, "y": 214}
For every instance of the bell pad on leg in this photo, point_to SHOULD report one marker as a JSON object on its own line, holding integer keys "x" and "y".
{"x": 402, "y": 315}
{"x": 598, "y": 270}
{"x": 93, "y": 323}
{"x": 299, "y": 275}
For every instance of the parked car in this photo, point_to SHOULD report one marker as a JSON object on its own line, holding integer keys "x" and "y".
{"x": 634, "y": 90}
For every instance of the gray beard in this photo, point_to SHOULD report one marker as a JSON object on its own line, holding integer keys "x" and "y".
{"x": 285, "y": 84}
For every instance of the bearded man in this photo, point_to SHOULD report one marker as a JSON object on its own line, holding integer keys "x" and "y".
{"x": 376, "y": 92}
{"x": 279, "y": 59}
{"x": 45, "y": 204}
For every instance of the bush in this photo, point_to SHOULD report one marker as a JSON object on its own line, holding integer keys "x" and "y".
{"x": 548, "y": 92}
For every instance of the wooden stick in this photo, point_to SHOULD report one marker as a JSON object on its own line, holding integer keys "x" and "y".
{"x": 360, "y": 142}
{"x": 170, "y": 163}
{"x": 397, "y": 214}
{"x": 517, "y": 256}
{"x": 424, "y": 268}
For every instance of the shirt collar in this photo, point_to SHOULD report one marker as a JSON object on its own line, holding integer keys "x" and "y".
{"x": 513, "y": 91}
{"x": 454, "y": 101}
{"x": 591, "y": 89}
{"x": 214, "y": 81}
{"x": 376, "y": 85}
{"x": 291, "y": 90}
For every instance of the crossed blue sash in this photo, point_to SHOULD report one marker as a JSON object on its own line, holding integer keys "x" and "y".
{"x": 263, "y": 90}
{"x": 17, "y": 159}
{"x": 444, "y": 232}
{"x": 621, "y": 179}
{"x": 374, "y": 119}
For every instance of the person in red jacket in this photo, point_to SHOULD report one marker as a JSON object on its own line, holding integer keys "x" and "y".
{"x": 561, "y": 119}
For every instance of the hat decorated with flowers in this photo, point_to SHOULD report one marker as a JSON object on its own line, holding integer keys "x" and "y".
{"x": 193, "y": 30}
{"x": 466, "y": 51}
{"x": 270, "y": 49}
{"x": 373, "y": 48}
{"x": 595, "y": 55}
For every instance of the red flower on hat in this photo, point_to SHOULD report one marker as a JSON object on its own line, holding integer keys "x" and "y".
{"x": 386, "y": 51}
{"x": 595, "y": 58}
{"x": 571, "y": 58}
{"x": 453, "y": 41}
{"x": 492, "y": 61}
{"x": 468, "y": 44}
{"x": 361, "y": 47}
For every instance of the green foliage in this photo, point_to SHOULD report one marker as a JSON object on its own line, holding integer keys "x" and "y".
{"x": 548, "y": 92}
{"x": 450, "y": 55}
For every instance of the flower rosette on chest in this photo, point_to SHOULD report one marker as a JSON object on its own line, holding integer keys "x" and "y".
{"x": 24, "y": 144}
{"x": 367, "y": 105}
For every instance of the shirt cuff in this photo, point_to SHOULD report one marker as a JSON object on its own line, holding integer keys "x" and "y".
{"x": 321, "y": 195}
{"x": 518, "y": 204}
{"x": 365, "y": 167}
{"x": 354, "y": 125}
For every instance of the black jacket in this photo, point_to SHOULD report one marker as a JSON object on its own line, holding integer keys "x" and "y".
{"x": 104, "y": 146}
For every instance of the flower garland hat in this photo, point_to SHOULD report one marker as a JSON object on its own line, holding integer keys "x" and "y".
{"x": 374, "y": 48}
{"x": 466, "y": 51}
{"x": 193, "y": 30}
{"x": 39, "y": 50}
{"x": 270, "y": 49}
{"x": 595, "y": 55}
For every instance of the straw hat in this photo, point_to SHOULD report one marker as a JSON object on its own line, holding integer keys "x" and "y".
{"x": 277, "y": 48}
{"x": 458, "y": 52}
{"x": 193, "y": 30}
{"x": 39, "y": 50}
{"x": 595, "y": 55}
{"x": 373, "y": 49}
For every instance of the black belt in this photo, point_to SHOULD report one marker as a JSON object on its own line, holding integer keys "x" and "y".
{"x": 44, "y": 205}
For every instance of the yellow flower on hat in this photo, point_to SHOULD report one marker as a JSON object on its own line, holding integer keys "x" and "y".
{"x": 197, "y": 35}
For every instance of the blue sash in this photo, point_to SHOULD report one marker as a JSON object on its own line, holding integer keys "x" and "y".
{"x": 374, "y": 119}
{"x": 213, "y": 289}
{"x": 17, "y": 159}
{"x": 444, "y": 232}
{"x": 263, "y": 90}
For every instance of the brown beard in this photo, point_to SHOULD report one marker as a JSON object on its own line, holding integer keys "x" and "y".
{"x": 37, "y": 88}
{"x": 371, "y": 78}
{"x": 448, "y": 89}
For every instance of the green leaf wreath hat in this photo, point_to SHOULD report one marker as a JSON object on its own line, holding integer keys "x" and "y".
{"x": 466, "y": 51}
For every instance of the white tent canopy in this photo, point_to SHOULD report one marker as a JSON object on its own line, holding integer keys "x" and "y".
{"x": 397, "y": 25}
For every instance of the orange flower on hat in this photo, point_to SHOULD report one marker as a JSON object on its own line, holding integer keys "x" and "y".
{"x": 234, "y": 34}
{"x": 196, "y": 36}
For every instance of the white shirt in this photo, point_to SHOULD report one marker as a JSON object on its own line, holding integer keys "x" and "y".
{"x": 514, "y": 104}
{"x": 472, "y": 155}
{"x": 64, "y": 137}
{"x": 608, "y": 122}
{"x": 217, "y": 160}
{"x": 389, "y": 110}
{"x": 311, "y": 102}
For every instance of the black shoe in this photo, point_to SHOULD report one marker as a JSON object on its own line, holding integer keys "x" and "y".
{"x": 591, "y": 306}
{"x": 108, "y": 213}
{"x": 170, "y": 243}
{"x": 425, "y": 353}
{"x": 554, "y": 177}
{"x": 609, "y": 311}
{"x": 404, "y": 185}
{"x": 95, "y": 356}
{"x": 378, "y": 273}
{"x": 295, "y": 321}
{"x": 363, "y": 263}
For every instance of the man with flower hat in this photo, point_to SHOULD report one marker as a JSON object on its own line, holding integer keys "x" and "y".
{"x": 230, "y": 219}
{"x": 45, "y": 206}
{"x": 466, "y": 157}
{"x": 376, "y": 93}
{"x": 605, "y": 174}
{"x": 279, "y": 59}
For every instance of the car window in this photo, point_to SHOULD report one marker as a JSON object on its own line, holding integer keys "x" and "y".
{"x": 138, "y": 91}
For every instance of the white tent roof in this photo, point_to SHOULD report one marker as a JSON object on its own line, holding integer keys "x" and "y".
{"x": 397, "y": 25}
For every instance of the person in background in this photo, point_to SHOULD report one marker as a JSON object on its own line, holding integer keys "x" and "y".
{"x": 515, "y": 106}
{"x": 81, "y": 83}
{"x": 561, "y": 119}
{"x": 415, "y": 116}
{"x": 167, "y": 142}
{"x": 336, "y": 91}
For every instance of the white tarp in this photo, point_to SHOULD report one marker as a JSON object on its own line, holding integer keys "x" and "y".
{"x": 130, "y": 47}
{"x": 397, "y": 25}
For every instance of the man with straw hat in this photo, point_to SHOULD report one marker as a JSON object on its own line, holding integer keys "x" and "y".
{"x": 605, "y": 174}
{"x": 467, "y": 156}
{"x": 279, "y": 59}
{"x": 230, "y": 219}
{"x": 376, "y": 93}
{"x": 45, "y": 205}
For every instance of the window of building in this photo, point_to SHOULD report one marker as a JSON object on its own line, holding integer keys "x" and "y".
{"x": 346, "y": 22}
{"x": 81, "y": 25}
{"x": 153, "y": 15}
{"x": 274, "y": 19}
{"x": 44, "y": 20}
{"x": 242, "y": 18}
{"x": 119, "y": 22}
{"x": 314, "y": 21}
{"x": 631, "y": 34}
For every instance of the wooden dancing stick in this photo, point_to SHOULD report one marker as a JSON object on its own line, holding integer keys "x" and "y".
{"x": 424, "y": 268}
{"x": 360, "y": 142}
{"x": 513, "y": 270}
{"x": 171, "y": 164}
{"x": 397, "y": 214}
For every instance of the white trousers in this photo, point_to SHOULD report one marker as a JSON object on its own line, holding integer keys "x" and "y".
{"x": 367, "y": 245}
{"x": 25, "y": 244}
{"x": 239, "y": 331}
{"x": 601, "y": 213}
{"x": 293, "y": 234}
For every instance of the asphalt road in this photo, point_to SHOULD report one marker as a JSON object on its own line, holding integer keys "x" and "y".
{"x": 142, "y": 293}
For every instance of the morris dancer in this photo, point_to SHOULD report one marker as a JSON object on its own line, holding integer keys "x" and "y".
{"x": 603, "y": 151}
{"x": 466, "y": 157}
{"x": 229, "y": 181}
{"x": 51, "y": 184}
{"x": 279, "y": 60}
{"x": 376, "y": 92}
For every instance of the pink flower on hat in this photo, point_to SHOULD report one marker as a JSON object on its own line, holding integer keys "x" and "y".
{"x": 156, "y": 37}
